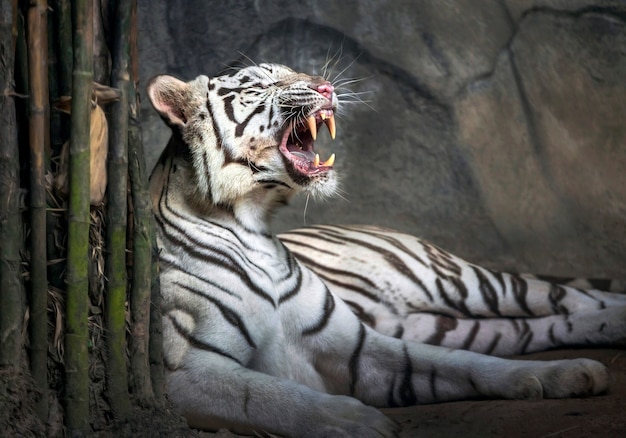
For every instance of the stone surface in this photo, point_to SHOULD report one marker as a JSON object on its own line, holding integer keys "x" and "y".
{"x": 494, "y": 128}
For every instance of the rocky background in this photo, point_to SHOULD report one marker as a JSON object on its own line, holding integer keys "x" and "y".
{"x": 493, "y": 128}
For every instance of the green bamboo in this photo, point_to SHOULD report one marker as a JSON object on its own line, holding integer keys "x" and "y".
{"x": 77, "y": 299}
{"x": 141, "y": 385}
{"x": 37, "y": 37}
{"x": 115, "y": 302}
{"x": 11, "y": 290}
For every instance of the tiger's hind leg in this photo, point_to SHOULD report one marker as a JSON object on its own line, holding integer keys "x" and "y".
{"x": 509, "y": 336}
{"x": 387, "y": 372}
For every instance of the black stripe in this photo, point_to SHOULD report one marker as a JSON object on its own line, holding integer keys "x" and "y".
{"x": 391, "y": 240}
{"x": 196, "y": 343}
{"x": 353, "y": 365}
{"x": 499, "y": 277}
{"x": 219, "y": 141}
{"x": 242, "y": 125}
{"x": 443, "y": 325}
{"x": 441, "y": 259}
{"x": 173, "y": 262}
{"x": 316, "y": 235}
{"x": 210, "y": 255}
{"x": 556, "y": 295}
{"x": 551, "y": 335}
{"x": 407, "y": 392}
{"x": 390, "y": 257}
{"x": 292, "y": 242}
{"x": 520, "y": 290}
{"x": 494, "y": 343}
{"x": 365, "y": 317}
{"x": 460, "y": 288}
{"x": 527, "y": 336}
{"x": 487, "y": 291}
{"x": 471, "y": 336}
{"x": 229, "y": 314}
{"x": 274, "y": 182}
{"x": 329, "y": 307}
{"x": 296, "y": 287}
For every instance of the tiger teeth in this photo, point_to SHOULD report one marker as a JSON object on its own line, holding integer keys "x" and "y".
{"x": 312, "y": 126}
{"x": 330, "y": 161}
{"x": 330, "y": 123}
{"x": 327, "y": 163}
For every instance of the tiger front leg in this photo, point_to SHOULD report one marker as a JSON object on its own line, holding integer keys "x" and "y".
{"x": 213, "y": 392}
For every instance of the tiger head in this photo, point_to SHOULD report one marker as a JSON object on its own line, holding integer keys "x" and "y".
{"x": 250, "y": 135}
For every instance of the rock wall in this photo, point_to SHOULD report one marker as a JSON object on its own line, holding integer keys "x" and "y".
{"x": 494, "y": 128}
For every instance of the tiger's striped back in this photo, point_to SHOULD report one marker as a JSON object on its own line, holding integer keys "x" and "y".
{"x": 408, "y": 288}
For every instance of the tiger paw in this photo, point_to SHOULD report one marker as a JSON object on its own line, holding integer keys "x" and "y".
{"x": 561, "y": 379}
{"x": 341, "y": 416}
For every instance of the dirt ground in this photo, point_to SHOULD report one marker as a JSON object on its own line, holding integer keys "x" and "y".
{"x": 602, "y": 416}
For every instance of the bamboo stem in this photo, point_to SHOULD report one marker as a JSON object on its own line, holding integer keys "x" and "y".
{"x": 38, "y": 129}
{"x": 11, "y": 290}
{"x": 77, "y": 300}
{"x": 65, "y": 56}
{"x": 115, "y": 316}
{"x": 141, "y": 385}
{"x": 157, "y": 366}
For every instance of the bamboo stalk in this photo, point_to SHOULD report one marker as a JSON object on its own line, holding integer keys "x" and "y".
{"x": 59, "y": 133}
{"x": 11, "y": 290}
{"x": 157, "y": 366}
{"x": 77, "y": 299}
{"x": 63, "y": 9}
{"x": 155, "y": 341}
{"x": 115, "y": 304}
{"x": 101, "y": 55}
{"x": 37, "y": 37}
{"x": 141, "y": 384}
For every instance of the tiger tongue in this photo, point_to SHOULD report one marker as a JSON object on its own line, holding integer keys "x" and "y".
{"x": 314, "y": 159}
{"x": 306, "y": 155}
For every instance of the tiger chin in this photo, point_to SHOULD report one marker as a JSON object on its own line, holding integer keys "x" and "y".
{"x": 309, "y": 341}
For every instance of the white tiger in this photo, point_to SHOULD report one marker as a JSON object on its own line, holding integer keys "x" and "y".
{"x": 257, "y": 342}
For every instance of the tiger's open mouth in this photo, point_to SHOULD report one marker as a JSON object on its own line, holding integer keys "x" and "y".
{"x": 298, "y": 141}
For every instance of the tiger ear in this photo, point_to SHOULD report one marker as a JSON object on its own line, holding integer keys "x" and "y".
{"x": 168, "y": 96}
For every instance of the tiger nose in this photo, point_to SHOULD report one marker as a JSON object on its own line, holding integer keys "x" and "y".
{"x": 326, "y": 89}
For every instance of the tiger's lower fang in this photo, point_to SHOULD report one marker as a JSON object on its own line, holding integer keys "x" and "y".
{"x": 330, "y": 161}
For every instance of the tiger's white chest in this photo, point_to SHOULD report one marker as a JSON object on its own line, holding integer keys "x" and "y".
{"x": 254, "y": 274}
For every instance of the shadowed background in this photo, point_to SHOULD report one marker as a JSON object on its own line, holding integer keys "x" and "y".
{"x": 493, "y": 128}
